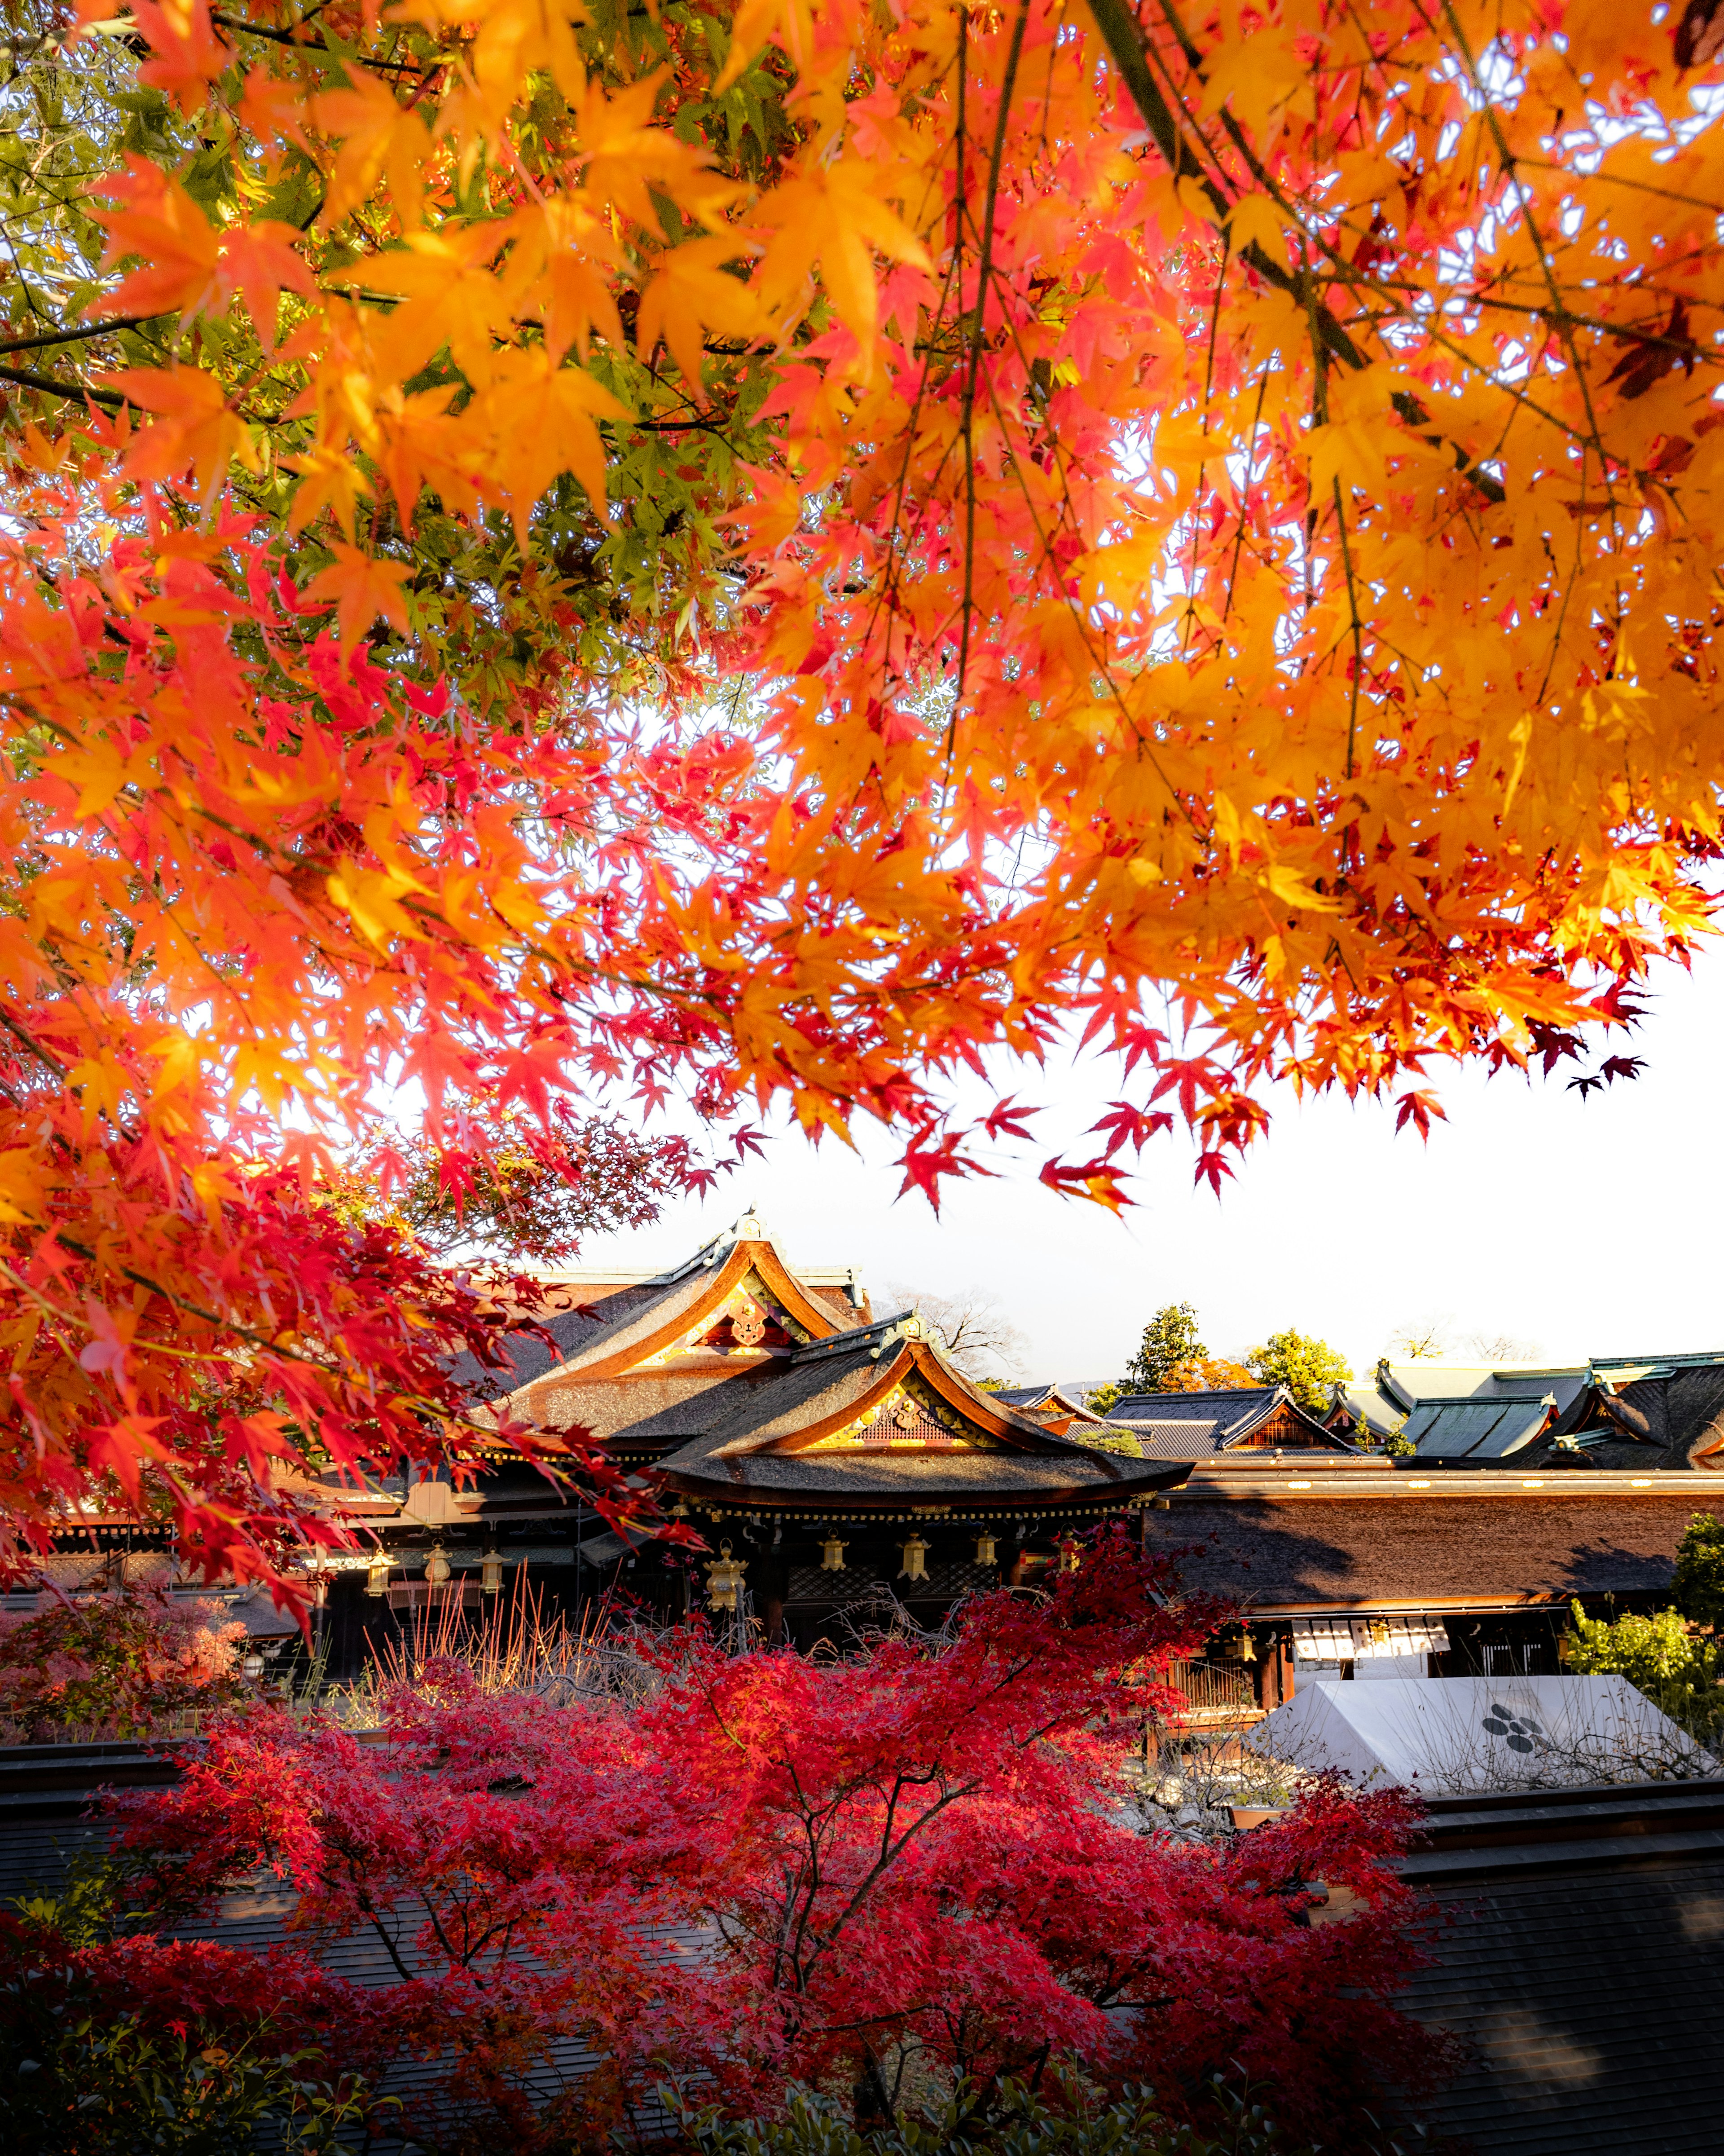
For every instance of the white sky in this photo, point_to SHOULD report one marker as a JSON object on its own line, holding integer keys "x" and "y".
{"x": 1579, "y": 1226}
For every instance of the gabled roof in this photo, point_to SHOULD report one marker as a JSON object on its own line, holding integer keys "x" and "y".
{"x": 879, "y": 1415}
{"x": 1196, "y": 1425}
{"x": 614, "y": 1332}
{"x": 1048, "y": 1395}
{"x": 1049, "y": 1404}
{"x": 1675, "y": 1401}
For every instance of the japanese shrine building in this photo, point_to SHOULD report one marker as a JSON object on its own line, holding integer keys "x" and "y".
{"x": 829, "y": 1457}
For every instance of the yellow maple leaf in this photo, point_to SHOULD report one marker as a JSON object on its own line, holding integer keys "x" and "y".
{"x": 691, "y": 293}
{"x": 788, "y": 23}
{"x": 542, "y": 419}
{"x": 835, "y": 219}
{"x": 379, "y": 139}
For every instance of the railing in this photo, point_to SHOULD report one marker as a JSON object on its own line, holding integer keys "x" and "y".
{"x": 1213, "y": 1688}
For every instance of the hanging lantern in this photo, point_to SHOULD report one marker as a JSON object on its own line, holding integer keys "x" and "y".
{"x": 832, "y": 1554}
{"x": 436, "y": 1567}
{"x": 252, "y": 1668}
{"x": 1071, "y": 1555}
{"x": 491, "y": 1571}
{"x": 985, "y": 1552}
{"x": 377, "y": 1575}
{"x": 724, "y": 1577}
{"x": 914, "y": 1567}
{"x": 1247, "y": 1649}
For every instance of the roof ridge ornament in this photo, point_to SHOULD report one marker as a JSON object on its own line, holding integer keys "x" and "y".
{"x": 747, "y": 1228}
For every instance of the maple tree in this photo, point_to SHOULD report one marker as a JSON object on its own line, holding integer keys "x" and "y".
{"x": 768, "y": 549}
{"x": 119, "y": 1663}
{"x": 769, "y": 1870}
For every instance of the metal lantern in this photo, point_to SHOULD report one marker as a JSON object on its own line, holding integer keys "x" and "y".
{"x": 724, "y": 1577}
{"x": 1071, "y": 1556}
{"x": 377, "y": 1575}
{"x": 914, "y": 1567}
{"x": 985, "y": 1552}
{"x": 436, "y": 1567}
{"x": 491, "y": 1571}
{"x": 1248, "y": 1648}
{"x": 832, "y": 1554}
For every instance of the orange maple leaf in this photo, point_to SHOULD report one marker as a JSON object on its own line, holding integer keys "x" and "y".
{"x": 361, "y": 587}
{"x": 196, "y": 426}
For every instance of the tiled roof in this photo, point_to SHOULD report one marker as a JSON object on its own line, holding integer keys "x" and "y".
{"x": 1226, "y": 1406}
{"x": 1189, "y": 1440}
{"x": 1476, "y": 1430}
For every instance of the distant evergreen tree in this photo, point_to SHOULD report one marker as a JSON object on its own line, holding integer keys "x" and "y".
{"x": 1169, "y": 1338}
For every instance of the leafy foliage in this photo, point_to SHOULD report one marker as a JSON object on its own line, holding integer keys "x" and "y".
{"x": 124, "y": 1663}
{"x": 1309, "y": 1367}
{"x": 522, "y": 1187}
{"x": 1010, "y": 2120}
{"x": 909, "y": 1863}
{"x": 1661, "y": 1657}
{"x": 771, "y": 551}
{"x": 77, "y": 2078}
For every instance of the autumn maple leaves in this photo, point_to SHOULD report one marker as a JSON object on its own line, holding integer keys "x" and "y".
{"x": 779, "y": 549}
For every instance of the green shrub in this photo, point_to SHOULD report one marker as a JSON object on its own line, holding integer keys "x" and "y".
{"x": 1661, "y": 1657}
{"x": 1700, "y": 1572}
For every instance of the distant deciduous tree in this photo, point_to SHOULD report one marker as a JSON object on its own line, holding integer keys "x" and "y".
{"x": 518, "y": 1186}
{"x": 1208, "y": 1374}
{"x": 1430, "y": 1339}
{"x": 1309, "y": 1367}
{"x": 980, "y": 1337}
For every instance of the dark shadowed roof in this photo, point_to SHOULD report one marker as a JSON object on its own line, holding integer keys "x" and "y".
{"x": 1580, "y": 1958}
{"x": 1285, "y": 1553}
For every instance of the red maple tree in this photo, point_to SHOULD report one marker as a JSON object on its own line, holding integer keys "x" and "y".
{"x": 771, "y": 1869}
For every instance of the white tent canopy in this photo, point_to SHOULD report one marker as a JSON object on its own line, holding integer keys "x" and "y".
{"x": 1442, "y": 1735}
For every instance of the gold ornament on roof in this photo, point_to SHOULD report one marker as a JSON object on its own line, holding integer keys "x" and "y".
{"x": 747, "y": 1327}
